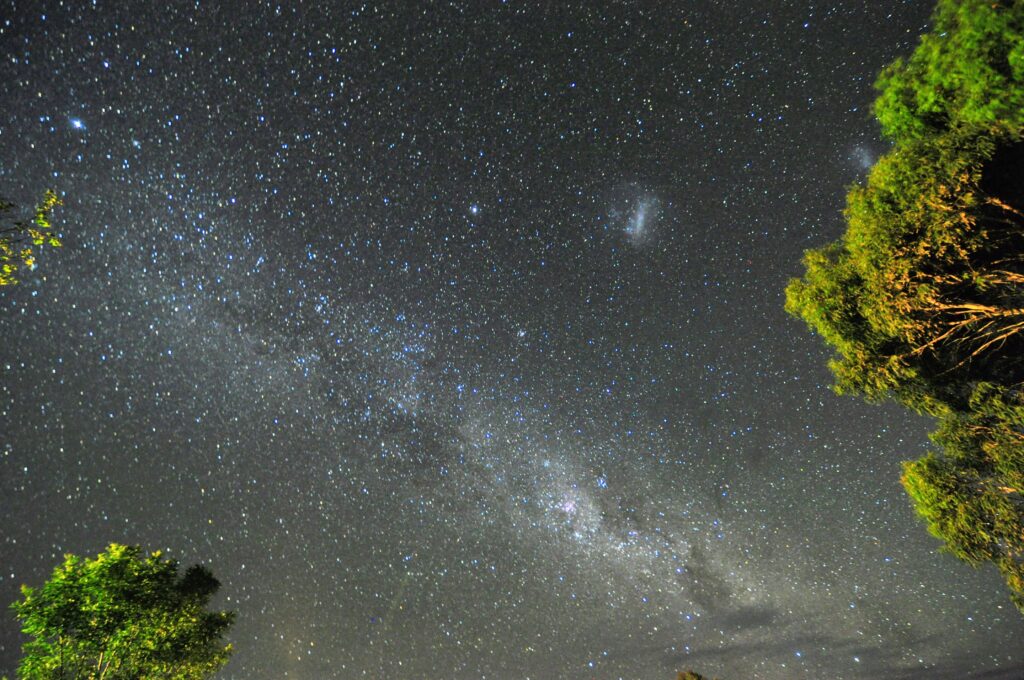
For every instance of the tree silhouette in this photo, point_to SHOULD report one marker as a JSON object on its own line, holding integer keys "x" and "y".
{"x": 690, "y": 675}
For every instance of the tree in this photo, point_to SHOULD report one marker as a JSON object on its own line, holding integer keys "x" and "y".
{"x": 972, "y": 497}
{"x": 923, "y": 296}
{"x": 122, "y": 615}
{"x": 20, "y": 238}
{"x": 969, "y": 69}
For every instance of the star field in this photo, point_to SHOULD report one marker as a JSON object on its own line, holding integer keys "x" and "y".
{"x": 449, "y": 335}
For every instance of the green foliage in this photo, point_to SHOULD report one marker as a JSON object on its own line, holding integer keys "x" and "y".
{"x": 969, "y": 70}
{"x": 922, "y": 298}
{"x": 923, "y": 293}
{"x": 972, "y": 497}
{"x": 20, "y": 239}
{"x": 122, "y": 615}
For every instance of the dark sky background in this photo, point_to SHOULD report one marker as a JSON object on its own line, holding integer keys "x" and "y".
{"x": 450, "y": 336}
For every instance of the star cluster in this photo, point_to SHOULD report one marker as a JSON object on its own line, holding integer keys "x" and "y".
{"x": 450, "y": 336}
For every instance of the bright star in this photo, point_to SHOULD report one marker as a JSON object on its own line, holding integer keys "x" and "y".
{"x": 77, "y": 124}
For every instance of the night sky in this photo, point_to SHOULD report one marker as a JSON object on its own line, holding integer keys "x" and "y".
{"x": 450, "y": 337}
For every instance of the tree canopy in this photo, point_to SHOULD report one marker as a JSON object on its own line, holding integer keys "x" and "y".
{"x": 922, "y": 298}
{"x": 122, "y": 615}
{"x": 923, "y": 295}
{"x": 972, "y": 496}
{"x": 20, "y": 239}
{"x": 968, "y": 70}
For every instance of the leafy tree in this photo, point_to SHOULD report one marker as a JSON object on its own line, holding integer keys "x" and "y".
{"x": 122, "y": 615}
{"x": 923, "y": 296}
{"x": 969, "y": 69}
{"x": 20, "y": 238}
{"x": 972, "y": 497}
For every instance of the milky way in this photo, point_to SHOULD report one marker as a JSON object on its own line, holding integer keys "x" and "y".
{"x": 451, "y": 338}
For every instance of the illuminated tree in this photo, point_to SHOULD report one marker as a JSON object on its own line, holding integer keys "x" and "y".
{"x": 924, "y": 294}
{"x": 20, "y": 239}
{"x": 922, "y": 298}
{"x": 972, "y": 497}
{"x": 968, "y": 70}
{"x": 122, "y": 615}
